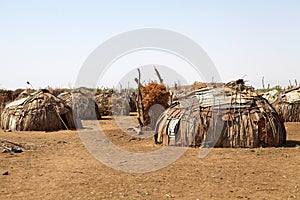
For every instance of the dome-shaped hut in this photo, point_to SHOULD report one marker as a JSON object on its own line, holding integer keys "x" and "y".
{"x": 104, "y": 101}
{"x": 112, "y": 102}
{"x": 230, "y": 116}
{"x": 40, "y": 111}
{"x": 286, "y": 103}
{"x": 82, "y": 103}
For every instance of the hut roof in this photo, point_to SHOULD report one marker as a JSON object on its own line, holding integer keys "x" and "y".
{"x": 291, "y": 96}
{"x": 272, "y": 96}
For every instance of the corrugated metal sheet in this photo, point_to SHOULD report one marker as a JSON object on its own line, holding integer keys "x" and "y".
{"x": 16, "y": 103}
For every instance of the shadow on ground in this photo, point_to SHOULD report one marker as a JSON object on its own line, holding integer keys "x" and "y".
{"x": 292, "y": 143}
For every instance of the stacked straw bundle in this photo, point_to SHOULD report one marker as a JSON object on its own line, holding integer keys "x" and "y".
{"x": 154, "y": 94}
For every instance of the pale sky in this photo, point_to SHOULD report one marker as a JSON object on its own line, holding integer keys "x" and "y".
{"x": 46, "y": 42}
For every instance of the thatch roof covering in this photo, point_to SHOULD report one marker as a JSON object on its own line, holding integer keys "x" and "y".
{"x": 40, "y": 111}
{"x": 287, "y": 103}
{"x": 82, "y": 104}
{"x": 231, "y": 116}
{"x": 152, "y": 95}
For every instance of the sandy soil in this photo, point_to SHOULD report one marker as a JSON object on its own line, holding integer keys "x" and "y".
{"x": 56, "y": 165}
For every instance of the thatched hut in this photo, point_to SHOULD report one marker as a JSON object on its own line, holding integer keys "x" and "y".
{"x": 40, "y": 111}
{"x": 103, "y": 99}
{"x": 112, "y": 102}
{"x": 7, "y": 96}
{"x": 82, "y": 103}
{"x": 120, "y": 104}
{"x": 231, "y": 116}
{"x": 286, "y": 103}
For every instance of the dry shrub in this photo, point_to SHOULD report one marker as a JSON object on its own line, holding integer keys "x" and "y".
{"x": 198, "y": 85}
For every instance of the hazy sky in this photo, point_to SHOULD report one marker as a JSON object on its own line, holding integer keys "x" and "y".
{"x": 46, "y": 42}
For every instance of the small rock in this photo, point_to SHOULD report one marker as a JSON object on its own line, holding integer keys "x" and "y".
{"x": 170, "y": 195}
{"x": 5, "y": 173}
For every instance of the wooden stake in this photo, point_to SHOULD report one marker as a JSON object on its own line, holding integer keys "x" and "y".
{"x": 140, "y": 106}
{"x": 158, "y": 75}
{"x": 263, "y": 82}
{"x": 5, "y": 140}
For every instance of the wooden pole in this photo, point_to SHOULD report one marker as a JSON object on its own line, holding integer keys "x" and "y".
{"x": 158, "y": 75}
{"x": 140, "y": 106}
{"x": 5, "y": 140}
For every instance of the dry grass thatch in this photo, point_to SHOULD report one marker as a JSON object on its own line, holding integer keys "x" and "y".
{"x": 152, "y": 94}
{"x": 40, "y": 111}
{"x": 82, "y": 103}
{"x": 232, "y": 116}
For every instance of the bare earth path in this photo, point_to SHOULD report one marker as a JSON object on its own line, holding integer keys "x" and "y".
{"x": 56, "y": 165}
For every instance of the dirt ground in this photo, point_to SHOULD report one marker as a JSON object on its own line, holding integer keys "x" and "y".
{"x": 56, "y": 165}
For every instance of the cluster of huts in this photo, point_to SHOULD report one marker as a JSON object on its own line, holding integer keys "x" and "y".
{"x": 214, "y": 114}
{"x": 50, "y": 110}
